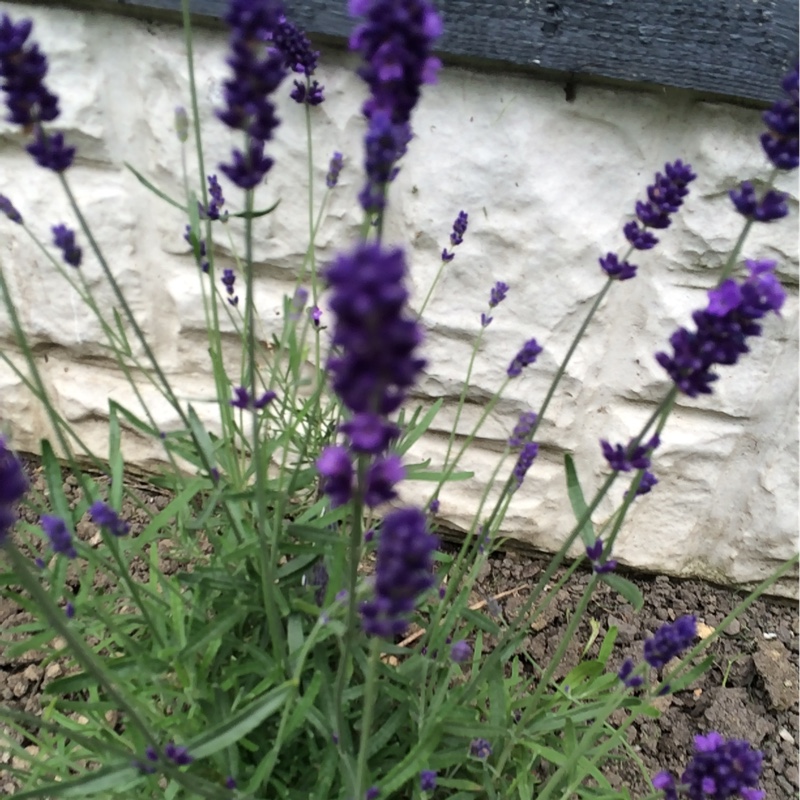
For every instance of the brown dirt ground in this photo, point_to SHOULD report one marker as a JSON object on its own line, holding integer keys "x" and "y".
{"x": 751, "y": 692}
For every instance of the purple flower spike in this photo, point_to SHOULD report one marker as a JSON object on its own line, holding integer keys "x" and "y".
{"x": 257, "y": 73}
{"x": 382, "y": 476}
{"x": 214, "y": 210}
{"x": 526, "y": 356}
{"x": 719, "y": 770}
{"x": 230, "y": 782}
{"x": 480, "y": 748}
{"x": 594, "y": 553}
{"x": 626, "y": 676}
{"x": 770, "y": 207}
{"x": 336, "y": 469}
{"x": 13, "y": 486}
{"x": 50, "y": 151}
{"x": 244, "y": 401}
{"x": 7, "y": 208}
{"x": 395, "y": 40}
{"x": 457, "y": 236}
{"x": 64, "y": 240}
{"x": 334, "y": 168}
{"x": 69, "y": 610}
{"x": 664, "y": 782}
{"x": 102, "y": 514}
{"x": 640, "y": 238}
{"x": 621, "y": 271}
{"x": 404, "y": 570}
{"x": 23, "y": 70}
{"x": 460, "y": 652}
{"x": 178, "y": 755}
{"x": 624, "y": 459}
{"x": 59, "y": 535}
{"x": 780, "y": 142}
{"x": 198, "y": 247}
{"x": 373, "y": 793}
{"x": 310, "y": 95}
{"x": 498, "y": 294}
{"x": 664, "y": 197}
{"x": 722, "y": 328}
{"x": 228, "y": 280}
{"x": 375, "y": 361}
{"x": 526, "y": 458}
{"x": 459, "y": 228}
{"x": 294, "y": 44}
{"x": 427, "y": 780}
{"x": 522, "y": 429}
{"x": 647, "y": 482}
{"x": 669, "y": 641}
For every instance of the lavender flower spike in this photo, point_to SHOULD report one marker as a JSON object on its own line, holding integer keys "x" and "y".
{"x": 780, "y": 142}
{"x": 336, "y": 469}
{"x": 244, "y": 401}
{"x": 525, "y": 461}
{"x": 770, "y": 207}
{"x": 7, "y": 208}
{"x": 721, "y": 769}
{"x": 298, "y": 57}
{"x": 670, "y": 640}
{"x": 257, "y": 72}
{"x": 64, "y": 240}
{"x": 665, "y": 196}
{"x": 404, "y": 570}
{"x": 102, "y": 514}
{"x": 427, "y": 780}
{"x": 375, "y": 361}
{"x": 525, "y": 357}
{"x": 522, "y": 429}
{"x": 718, "y": 770}
{"x": 723, "y": 327}
{"x": 59, "y": 535}
{"x": 457, "y": 236}
{"x": 395, "y": 41}
{"x": 334, "y": 168}
{"x": 13, "y": 485}
{"x": 23, "y": 69}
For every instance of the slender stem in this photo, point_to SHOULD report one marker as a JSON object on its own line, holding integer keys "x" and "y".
{"x": 430, "y": 291}
{"x": 463, "y": 396}
{"x": 370, "y": 695}
{"x": 267, "y": 548}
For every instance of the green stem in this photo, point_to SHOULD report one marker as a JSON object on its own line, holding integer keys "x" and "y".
{"x": 267, "y": 547}
{"x": 370, "y": 695}
{"x": 462, "y": 397}
{"x": 430, "y": 291}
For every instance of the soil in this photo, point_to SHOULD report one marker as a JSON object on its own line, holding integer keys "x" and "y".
{"x": 751, "y": 692}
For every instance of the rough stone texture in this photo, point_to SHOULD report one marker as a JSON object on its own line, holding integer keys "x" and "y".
{"x": 547, "y": 185}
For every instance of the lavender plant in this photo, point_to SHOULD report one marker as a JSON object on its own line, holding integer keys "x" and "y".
{"x": 281, "y": 642}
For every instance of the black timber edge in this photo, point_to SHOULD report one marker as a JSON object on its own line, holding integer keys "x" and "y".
{"x": 735, "y": 49}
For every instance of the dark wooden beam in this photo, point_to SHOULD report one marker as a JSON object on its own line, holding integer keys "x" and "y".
{"x": 736, "y": 49}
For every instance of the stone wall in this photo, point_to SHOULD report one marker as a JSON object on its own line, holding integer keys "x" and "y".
{"x": 547, "y": 185}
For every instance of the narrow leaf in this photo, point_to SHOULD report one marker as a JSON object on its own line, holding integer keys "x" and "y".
{"x": 577, "y": 500}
